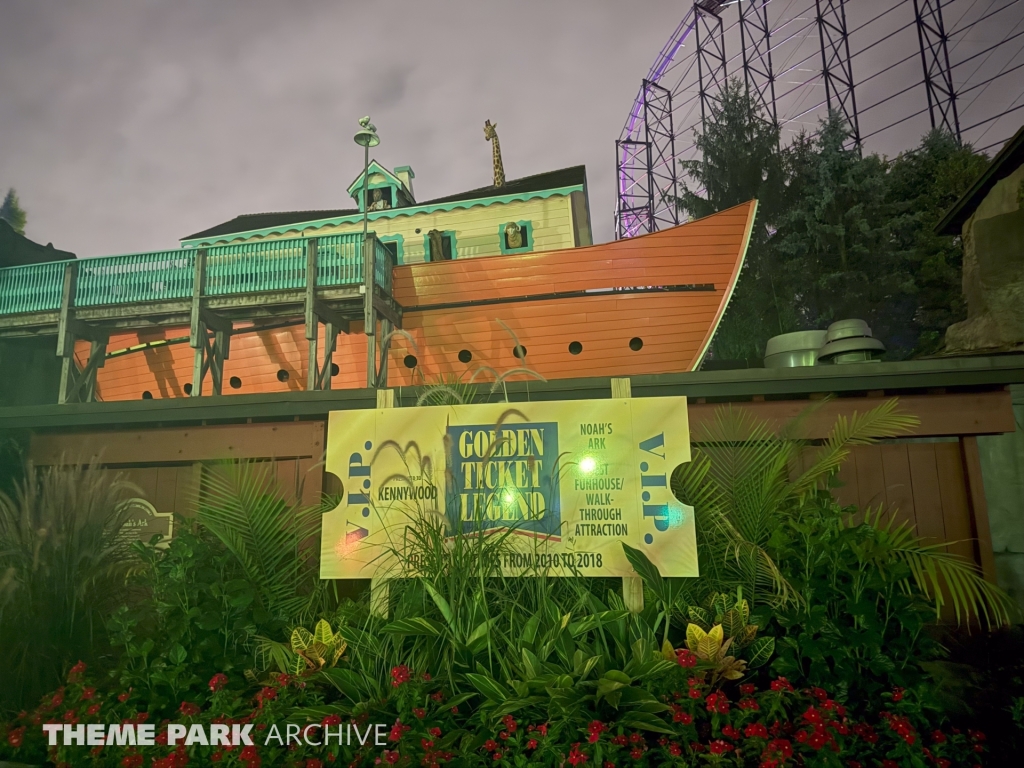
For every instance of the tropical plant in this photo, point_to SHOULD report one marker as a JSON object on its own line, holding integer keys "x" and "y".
{"x": 318, "y": 649}
{"x": 852, "y": 594}
{"x": 63, "y": 564}
{"x": 273, "y": 540}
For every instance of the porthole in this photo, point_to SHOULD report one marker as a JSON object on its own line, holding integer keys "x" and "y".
{"x": 147, "y": 395}
{"x": 334, "y": 369}
{"x": 235, "y": 383}
{"x": 282, "y": 375}
{"x": 188, "y": 388}
{"x": 519, "y": 351}
{"x": 575, "y": 348}
{"x": 410, "y": 361}
{"x": 465, "y": 356}
{"x": 636, "y": 343}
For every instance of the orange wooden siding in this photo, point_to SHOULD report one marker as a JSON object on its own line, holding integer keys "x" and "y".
{"x": 675, "y": 327}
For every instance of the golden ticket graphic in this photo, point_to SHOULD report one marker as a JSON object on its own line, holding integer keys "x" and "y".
{"x": 567, "y": 481}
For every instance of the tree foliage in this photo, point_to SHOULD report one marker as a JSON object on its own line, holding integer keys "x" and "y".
{"x": 12, "y": 213}
{"x": 839, "y": 234}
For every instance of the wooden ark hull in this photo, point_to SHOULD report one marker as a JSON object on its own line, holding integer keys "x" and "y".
{"x": 646, "y": 305}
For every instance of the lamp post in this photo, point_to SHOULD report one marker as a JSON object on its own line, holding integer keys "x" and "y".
{"x": 367, "y": 137}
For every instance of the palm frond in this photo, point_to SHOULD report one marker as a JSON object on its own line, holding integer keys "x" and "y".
{"x": 942, "y": 575}
{"x": 882, "y": 421}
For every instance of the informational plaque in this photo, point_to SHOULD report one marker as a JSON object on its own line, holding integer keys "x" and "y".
{"x": 565, "y": 482}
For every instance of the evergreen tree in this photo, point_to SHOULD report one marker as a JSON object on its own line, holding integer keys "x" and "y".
{"x": 11, "y": 212}
{"x": 833, "y": 246}
{"x": 923, "y": 184}
{"x": 739, "y": 161}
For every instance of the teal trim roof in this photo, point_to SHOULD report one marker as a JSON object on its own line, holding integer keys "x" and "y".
{"x": 252, "y": 224}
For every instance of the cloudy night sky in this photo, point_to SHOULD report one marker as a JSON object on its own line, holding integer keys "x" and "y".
{"x": 128, "y": 124}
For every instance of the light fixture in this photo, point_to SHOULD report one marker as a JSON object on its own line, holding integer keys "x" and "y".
{"x": 588, "y": 464}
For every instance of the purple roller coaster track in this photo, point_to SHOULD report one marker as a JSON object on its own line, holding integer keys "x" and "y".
{"x": 893, "y": 69}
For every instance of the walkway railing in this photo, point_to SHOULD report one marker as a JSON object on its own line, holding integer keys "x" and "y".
{"x": 269, "y": 265}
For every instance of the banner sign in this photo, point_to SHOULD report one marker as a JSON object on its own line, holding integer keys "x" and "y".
{"x": 567, "y": 481}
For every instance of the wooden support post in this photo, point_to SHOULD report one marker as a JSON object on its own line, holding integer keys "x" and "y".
{"x": 632, "y": 586}
{"x": 981, "y": 531}
{"x": 65, "y": 337}
{"x": 197, "y": 336}
{"x": 382, "y": 368}
{"x": 312, "y": 323}
{"x": 369, "y": 310}
{"x": 380, "y": 590}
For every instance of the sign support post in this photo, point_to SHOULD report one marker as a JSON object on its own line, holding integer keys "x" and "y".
{"x": 380, "y": 591}
{"x": 632, "y": 586}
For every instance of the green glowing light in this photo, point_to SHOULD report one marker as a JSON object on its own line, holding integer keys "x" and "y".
{"x": 588, "y": 464}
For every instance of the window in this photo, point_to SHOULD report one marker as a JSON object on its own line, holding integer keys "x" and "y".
{"x": 381, "y": 198}
{"x": 439, "y": 246}
{"x": 516, "y": 236}
{"x": 395, "y": 246}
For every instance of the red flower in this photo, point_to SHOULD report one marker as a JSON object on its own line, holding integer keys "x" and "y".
{"x": 575, "y": 756}
{"x": 750, "y": 704}
{"x": 123, "y": 697}
{"x": 636, "y": 753}
{"x": 218, "y": 681}
{"x": 890, "y": 764}
{"x": 675, "y": 750}
{"x": 312, "y": 762}
{"x": 58, "y": 698}
{"x": 88, "y": 693}
{"x": 510, "y": 723}
{"x": 897, "y": 694}
{"x": 391, "y": 757}
{"x": 717, "y": 702}
{"x": 730, "y": 732}
{"x": 266, "y": 694}
{"x": 778, "y": 749}
{"x": 331, "y": 720}
{"x": 747, "y": 689}
{"x": 15, "y": 736}
{"x": 399, "y": 675}
{"x": 975, "y": 735}
{"x": 718, "y": 747}
{"x": 76, "y": 672}
{"x": 249, "y": 756}
{"x": 188, "y": 709}
{"x": 755, "y": 730}
{"x": 94, "y": 709}
{"x": 435, "y": 732}
{"x": 595, "y": 729}
{"x": 438, "y": 696}
{"x": 131, "y": 761}
{"x": 686, "y": 658}
{"x": 490, "y": 745}
{"x": 938, "y": 737}
{"x": 531, "y": 744}
{"x": 397, "y": 730}
{"x": 781, "y": 684}
{"x": 419, "y": 712}
{"x": 679, "y": 716}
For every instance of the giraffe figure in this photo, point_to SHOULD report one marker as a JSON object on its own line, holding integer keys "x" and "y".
{"x": 491, "y": 134}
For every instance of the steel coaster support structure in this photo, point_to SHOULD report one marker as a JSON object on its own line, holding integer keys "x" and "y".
{"x": 661, "y": 149}
{"x": 756, "y": 43}
{"x": 635, "y": 208}
{"x": 836, "y": 65}
{"x": 938, "y": 75}
{"x": 712, "y": 74}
